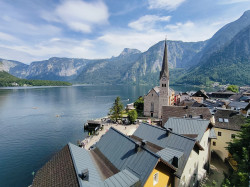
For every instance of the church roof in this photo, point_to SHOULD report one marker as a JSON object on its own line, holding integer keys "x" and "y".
{"x": 164, "y": 69}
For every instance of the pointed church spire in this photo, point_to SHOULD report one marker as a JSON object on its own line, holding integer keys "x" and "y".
{"x": 164, "y": 69}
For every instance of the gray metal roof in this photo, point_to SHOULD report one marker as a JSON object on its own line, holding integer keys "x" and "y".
{"x": 120, "y": 151}
{"x": 212, "y": 134}
{"x": 122, "y": 179}
{"x": 158, "y": 136}
{"x": 238, "y": 105}
{"x": 168, "y": 154}
{"x": 188, "y": 126}
{"x": 82, "y": 160}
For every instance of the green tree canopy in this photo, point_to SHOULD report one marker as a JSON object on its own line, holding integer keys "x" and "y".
{"x": 239, "y": 148}
{"x": 132, "y": 116}
{"x": 115, "y": 111}
{"x": 233, "y": 88}
{"x": 139, "y": 105}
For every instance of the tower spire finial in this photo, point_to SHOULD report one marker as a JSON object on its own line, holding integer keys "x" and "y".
{"x": 164, "y": 69}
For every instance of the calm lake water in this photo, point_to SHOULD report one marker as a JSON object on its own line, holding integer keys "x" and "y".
{"x": 37, "y": 122}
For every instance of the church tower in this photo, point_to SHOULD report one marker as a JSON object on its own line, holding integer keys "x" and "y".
{"x": 164, "y": 82}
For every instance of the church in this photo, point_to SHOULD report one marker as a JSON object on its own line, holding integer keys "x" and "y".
{"x": 160, "y": 95}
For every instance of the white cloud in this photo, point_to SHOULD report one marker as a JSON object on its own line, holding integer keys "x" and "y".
{"x": 165, "y": 4}
{"x": 193, "y": 31}
{"x": 7, "y": 37}
{"x": 79, "y": 15}
{"x": 147, "y": 22}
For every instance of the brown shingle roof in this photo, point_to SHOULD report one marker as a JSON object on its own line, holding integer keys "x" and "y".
{"x": 180, "y": 111}
{"x": 234, "y": 119}
{"x": 59, "y": 171}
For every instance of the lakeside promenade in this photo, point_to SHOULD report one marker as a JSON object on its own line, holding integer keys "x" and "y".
{"x": 125, "y": 129}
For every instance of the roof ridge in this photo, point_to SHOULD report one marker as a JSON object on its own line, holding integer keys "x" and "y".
{"x": 198, "y": 119}
{"x": 169, "y": 131}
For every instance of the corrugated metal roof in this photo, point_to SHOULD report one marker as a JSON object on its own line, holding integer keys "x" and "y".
{"x": 82, "y": 160}
{"x": 188, "y": 126}
{"x": 168, "y": 154}
{"x": 122, "y": 179}
{"x": 120, "y": 151}
{"x": 158, "y": 136}
{"x": 212, "y": 134}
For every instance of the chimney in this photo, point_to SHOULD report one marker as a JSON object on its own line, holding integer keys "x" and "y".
{"x": 137, "y": 146}
{"x": 168, "y": 131}
{"x": 143, "y": 142}
{"x": 84, "y": 175}
{"x": 175, "y": 162}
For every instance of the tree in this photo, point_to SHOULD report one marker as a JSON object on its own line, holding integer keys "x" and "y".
{"x": 115, "y": 111}
{"x": 132, "y": 116}
{"x": 239, "y": 148}
{"x": 139, "y": 105}
{"x": 233, "y": 88}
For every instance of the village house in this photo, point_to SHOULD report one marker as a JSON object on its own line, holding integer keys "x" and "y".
{"x": 122, "y": 163}
{"x": 185, "y": 96}
{"x": 245, "y": 111}
{"x": 160, "y": 95}
{"x": 200, "y": 96}
{"x": 189, "y": 151}
{"x": 237, "y": 105}
{"x": 227, "y": 125}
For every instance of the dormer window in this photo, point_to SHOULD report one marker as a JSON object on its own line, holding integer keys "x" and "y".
{"x": 226, "y": 120}
{"x": 221, "y": 120}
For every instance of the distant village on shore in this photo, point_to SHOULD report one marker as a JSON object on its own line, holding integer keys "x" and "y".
{"x": 172, "y": 142}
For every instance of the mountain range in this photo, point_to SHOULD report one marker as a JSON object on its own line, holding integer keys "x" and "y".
{"x": 223, "y": 58}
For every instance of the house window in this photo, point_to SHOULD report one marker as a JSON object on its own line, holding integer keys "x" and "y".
{"x": 232, "y": 135}
{"x": 156, "y": 178}
{"x": 220, "y": 119}
{"x": 152, "y": 94}
{"x": 214, "y": 143}
{"x": 225, "y": 120}
{"x": 219, "y": 133}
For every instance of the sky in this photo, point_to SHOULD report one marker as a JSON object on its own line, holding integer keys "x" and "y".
{"x": 33, "y": 30}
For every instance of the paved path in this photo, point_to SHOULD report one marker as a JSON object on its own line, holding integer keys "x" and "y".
{"x": 125, "y": 129}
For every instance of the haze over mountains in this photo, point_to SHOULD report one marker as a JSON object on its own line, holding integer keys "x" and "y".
{"x": 224, "y": 58}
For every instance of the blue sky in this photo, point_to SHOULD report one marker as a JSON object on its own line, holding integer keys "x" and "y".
{"x": 32, "y": 30}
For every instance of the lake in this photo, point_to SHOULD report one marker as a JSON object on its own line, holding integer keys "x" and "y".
{"x": 36, "y": 122}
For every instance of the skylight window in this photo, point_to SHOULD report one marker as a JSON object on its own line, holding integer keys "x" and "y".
{"x": 220, "y": 119}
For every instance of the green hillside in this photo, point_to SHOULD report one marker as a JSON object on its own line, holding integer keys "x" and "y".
{"x": 9, "y": 80}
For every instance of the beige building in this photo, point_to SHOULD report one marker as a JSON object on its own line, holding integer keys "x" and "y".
{"x": 227, "y": 125}
{"x": 160, "y": 95}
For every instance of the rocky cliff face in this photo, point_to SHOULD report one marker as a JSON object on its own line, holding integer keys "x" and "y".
{"x": 14, "y": 67}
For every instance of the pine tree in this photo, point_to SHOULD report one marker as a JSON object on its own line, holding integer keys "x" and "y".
{"x": 115, "y": 111}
